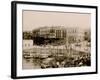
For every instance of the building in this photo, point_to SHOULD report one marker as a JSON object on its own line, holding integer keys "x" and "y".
{"x": 27, "y": 44}
{"x": 50, "y": 34}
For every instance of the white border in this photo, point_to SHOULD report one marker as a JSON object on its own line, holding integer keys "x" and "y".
{"x": 36, "y": 72}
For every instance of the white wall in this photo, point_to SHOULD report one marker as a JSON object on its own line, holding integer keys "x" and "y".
{"x": 27, "y": 44}
{"x": 5, "y": 40}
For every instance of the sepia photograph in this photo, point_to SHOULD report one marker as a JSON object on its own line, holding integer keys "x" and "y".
{"x": 56, "y": 39}
{"x": 53, "y": 40}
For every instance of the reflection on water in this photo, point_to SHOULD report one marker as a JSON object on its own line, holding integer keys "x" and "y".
{"x": 56, "y": 61}
{"x": 31, "y": 64}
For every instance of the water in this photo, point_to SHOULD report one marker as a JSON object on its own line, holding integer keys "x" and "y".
{"x": 30, "y": 64}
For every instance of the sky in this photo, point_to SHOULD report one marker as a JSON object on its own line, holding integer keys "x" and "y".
{"x": 36, "y": 19}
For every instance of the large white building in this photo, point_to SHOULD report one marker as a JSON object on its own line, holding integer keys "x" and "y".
{"x": 71, "y": 34}
{"x": 27, "y": 44}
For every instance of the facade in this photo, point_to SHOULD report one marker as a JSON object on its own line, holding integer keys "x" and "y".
{"x": 27, "y": 44}
{"x": 53, "y": 32}
{"x": 69, "y": 34}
